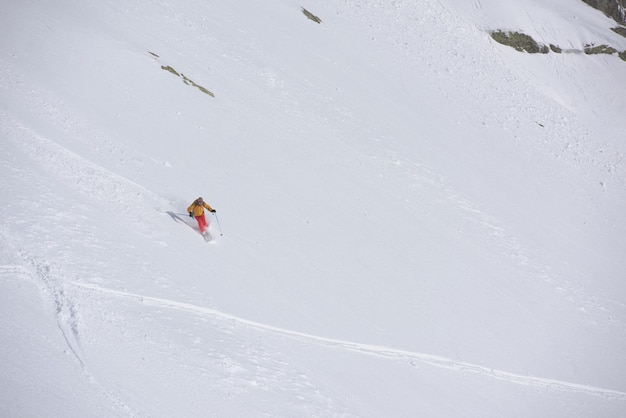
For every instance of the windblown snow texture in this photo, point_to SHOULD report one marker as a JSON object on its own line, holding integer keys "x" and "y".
{"x": 418, "y": 221}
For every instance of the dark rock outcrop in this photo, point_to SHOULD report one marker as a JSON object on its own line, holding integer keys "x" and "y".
{"x": 612, "y": 8}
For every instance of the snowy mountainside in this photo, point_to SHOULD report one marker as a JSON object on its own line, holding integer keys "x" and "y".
{"x": 417, "y": 220}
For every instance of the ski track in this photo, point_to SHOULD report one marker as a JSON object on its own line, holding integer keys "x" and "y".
{"x": 46, "y": 146}
{"x": 373, "y": 350}
{"x": 65, "y": 315}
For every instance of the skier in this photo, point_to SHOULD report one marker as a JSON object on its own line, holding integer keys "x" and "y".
{"x": 196, "y": 210}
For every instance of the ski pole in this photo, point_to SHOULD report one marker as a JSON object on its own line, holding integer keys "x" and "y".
{"x": 218, "y": 223}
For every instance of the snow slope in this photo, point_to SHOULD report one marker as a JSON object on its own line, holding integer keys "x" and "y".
{"x": 417, "y": 221}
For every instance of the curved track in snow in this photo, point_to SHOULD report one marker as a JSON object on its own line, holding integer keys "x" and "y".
{"x": 373, "y": 350}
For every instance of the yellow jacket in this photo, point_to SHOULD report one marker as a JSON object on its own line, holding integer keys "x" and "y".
{"x": 198, "y": 208}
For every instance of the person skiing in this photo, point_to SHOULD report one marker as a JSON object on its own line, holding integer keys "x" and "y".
{"x": 196, "y": 210}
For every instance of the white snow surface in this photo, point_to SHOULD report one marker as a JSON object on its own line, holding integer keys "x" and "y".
{"x": 416, "y": 220}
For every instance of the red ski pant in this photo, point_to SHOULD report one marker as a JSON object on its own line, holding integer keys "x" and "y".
{"x": 202, "y": 223}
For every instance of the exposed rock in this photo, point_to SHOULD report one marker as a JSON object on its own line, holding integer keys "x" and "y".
{"x": 612, "y": 8}
{"x": 599, "y": 49}
{"x": 620, "y": 30}
{"x": 519, "y": 41}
